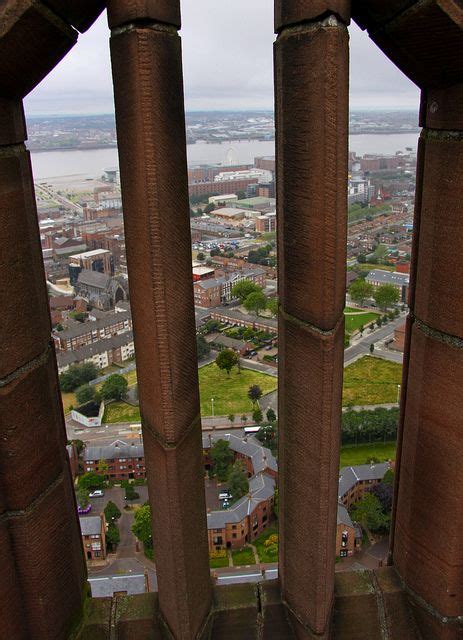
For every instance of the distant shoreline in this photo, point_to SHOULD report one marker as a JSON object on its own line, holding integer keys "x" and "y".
{"x": 226, "y": 141}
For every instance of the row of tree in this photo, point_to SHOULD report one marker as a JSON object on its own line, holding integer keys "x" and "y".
{"x": 252, "y": 297}
{"x": 114, "y": 388}
{"x": 385, "y": 296}
{"x": 377, "y": 425}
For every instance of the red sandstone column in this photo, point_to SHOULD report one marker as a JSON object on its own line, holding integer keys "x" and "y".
{"x": 42, "y": 572}
{"x": 146, "y": 59}
{"x": 427, "y": 542}
{"x": 311, "y": 86}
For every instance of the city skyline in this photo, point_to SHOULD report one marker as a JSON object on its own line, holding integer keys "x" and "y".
{"x": 237, "y": 76}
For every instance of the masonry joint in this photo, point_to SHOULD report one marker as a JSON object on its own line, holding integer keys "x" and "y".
{"x": 445, "y": 135}
{"x": 168, "y": 445}
{"x": 311, "y": 328}
{"x": 8, "y": 150}
{"x": 327, "y": 19}
{"x": 145, "y": 23}
{"x": 35, "y": 363}
{"x": 441, "y": 336}
{"x": 21, "y": 513}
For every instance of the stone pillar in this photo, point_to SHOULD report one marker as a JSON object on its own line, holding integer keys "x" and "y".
{"x": 147, "y": 70}
{"x": 43, "y": 569}
{"x": 311, "y": 85}
{"x": 426, "y": 546}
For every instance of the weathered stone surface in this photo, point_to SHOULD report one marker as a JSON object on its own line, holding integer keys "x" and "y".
{"x": 289, "y": 12}
{"x": 152, "y": 151}
{"x": 47, "y": 547}
{"x": 80, "y": 13}
{"x": 426, "y": 43}
{"x": 443, "y": 108}
{"x": 309, "y": 417}
{"x": 121, "y": 12}
{"x": 311, "y": 76}
{"x": 176, "y": 488}
{"x": 429, "y": 517}
{"x": 13, "y": 623}
{"x": 32, "y": 42}
{"x": 12, "y": 122}
{"x": 33, "y": 442}
{"x": 439, "y": 273}
{"x": 24, "y": 321}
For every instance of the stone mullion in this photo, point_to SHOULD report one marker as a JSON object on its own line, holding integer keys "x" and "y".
{"x": 311, "y": 95}
{"x": 426, "y": 546}
{"x": 147, "y": 72}
{"x": 38, "y": 521}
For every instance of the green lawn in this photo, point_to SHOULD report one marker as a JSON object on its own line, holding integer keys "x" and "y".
{"x": 218, "y": 563}
{"x": 243, "y": 556}
{"x": 358, "y": 320}
{"x": 121, "y": 412}
{"x": 230, "y": 391}
{"x": 363, "y": 453}
{"x": 265, "y": 553}
{"x": 69, "y": 400}
{"x": 371, "y": 380}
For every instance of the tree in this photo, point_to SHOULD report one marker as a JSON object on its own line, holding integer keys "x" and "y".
{"x": 113, "y": 537}
{"x": 209, "y": 208}
{"x": 85, "y": 393}
{"x": 271, "y": 415}
{"x": 255, "y": 302}
{"x": 202, "y": 347}
{"x": 372, "y": 347}
{"x": 141, "y": 527}
{"x": 238, "y": 484}
{"x": 276, "y": 502}
{"x": 231, "y": 417}
{"x": 361, "y": 259}
{"x": 379, "y": 321}
{"x": 384, "y": 493}
{"x": 80, "y": 445}
{"x": 372, "y": 327}
{"x": 227, "y": 359}
{"x": 386, "y": 295}
{"x": 257, "y": 416}
{"x": 200, "y": 256}
{"x": 254, "y": 393}
{"x": 77, "y": 375}
{"x": 114, "y": 388}
{"x": 82, "y": 497}
{"x": 91, "y": 481}
{"x": 243, "y": 289}
{"x": 112, "y": 512}
{"x": 130, "y": 493}
{"x": 360, "y": 290}
{"x": 222, "y": 457}
{"x": 272, "y": 306}
{"x": 241, "y": 194}
{"x": 244, "y": 418}
{"x": 368, "y": 511}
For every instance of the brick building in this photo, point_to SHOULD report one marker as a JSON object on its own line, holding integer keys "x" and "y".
{"x": 81, "y": 334}
{"x": 420, "y": 594}
{"x": 123, "y": 461}
{"x": 114, "y": 349}
{"x": 214, "y": 291}
{"x": 93, "y": 530}
{"x": 354, "y": 481}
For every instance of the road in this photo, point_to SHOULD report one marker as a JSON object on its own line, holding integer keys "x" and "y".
{"x": 361, "y": 346}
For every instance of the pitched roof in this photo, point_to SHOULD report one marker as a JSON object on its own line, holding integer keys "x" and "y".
{"x": 93, "y": 279}
{"x": 90, "y": 525}
{"x": 65, "y": 358}
{"x": 388, "y": 277}
{"x": 117, "y": 449}
{"x": 349, "y": 476}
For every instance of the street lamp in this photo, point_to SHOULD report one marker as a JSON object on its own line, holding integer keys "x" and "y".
{"x": 212, "y": 403}
{"x": 398, "y": 394}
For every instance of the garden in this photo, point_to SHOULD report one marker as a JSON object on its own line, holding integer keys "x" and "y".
{"x": 267, "y": 545}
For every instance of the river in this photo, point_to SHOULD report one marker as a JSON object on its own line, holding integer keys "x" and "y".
{"x": 91, "y": 163}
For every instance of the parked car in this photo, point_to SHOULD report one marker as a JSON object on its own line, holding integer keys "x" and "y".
{"x": 98, "y": 493}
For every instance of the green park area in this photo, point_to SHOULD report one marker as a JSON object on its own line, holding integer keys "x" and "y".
{"x": 243, "y": 556}
{"x": 230, "y": 392}
{"x": 267, "y": 544}
{"x": 371, "y": 380}
{"x": 355, "y": 318}
{"x": 364, "y": 453}
{"x": 121, "y": 412}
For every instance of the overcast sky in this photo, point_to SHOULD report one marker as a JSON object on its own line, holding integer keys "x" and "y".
{"x": 227, "y": 54}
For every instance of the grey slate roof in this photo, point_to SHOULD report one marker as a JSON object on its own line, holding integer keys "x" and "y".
{"x": 90, "y": 525}
{"x": 343, "y": 516}
{"x": 388, "y": 277}
{"x": 261, "y": 457}
{"x": 118, "y": 449}
{"x": 106, "y": 586}
{"x": 70, "y": 357}
{"x": 349, "y": 476}
{"x": 81, "y": 328}
{"x": 93, "y": 279}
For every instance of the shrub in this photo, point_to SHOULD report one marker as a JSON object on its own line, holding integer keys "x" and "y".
{"x": 220, "y": 553}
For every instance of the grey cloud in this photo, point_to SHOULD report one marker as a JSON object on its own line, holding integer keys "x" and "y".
{"x": 227, "y": 58}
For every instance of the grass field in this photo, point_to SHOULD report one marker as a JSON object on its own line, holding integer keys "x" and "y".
{"x": 358, "y": 320}
{"x": 69, "y": 399}
{"x": 371, "y": 381}
{"x": 218, "y": 563}
{"x": 121, "y": 412}
{"x": 230, "y": 391}
{"x": 263, "y": 552}
{"x": 243, "y": 556}
{"x": 363, "y": 453}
